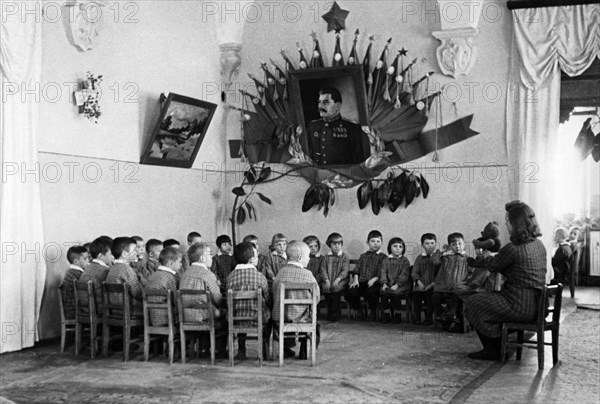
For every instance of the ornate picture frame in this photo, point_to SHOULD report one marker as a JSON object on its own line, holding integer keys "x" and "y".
{"x": 179, "y": 132}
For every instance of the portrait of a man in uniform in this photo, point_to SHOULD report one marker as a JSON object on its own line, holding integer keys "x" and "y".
{"x": 332, "y": 108}
{"x": 334, "y": 140}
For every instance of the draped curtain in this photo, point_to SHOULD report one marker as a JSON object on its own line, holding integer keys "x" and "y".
{"x": 545, "y": 41}
{"x": 23, "y": 270}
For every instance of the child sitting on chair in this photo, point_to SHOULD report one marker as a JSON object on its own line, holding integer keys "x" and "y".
{"x": 424, "y": 270}
{"x": 316, "y": 263}
{"x": 277, "y": 259}
{"x": 365, "y": 276}
{"x": 335, "y": 275}
{"x": 395, "y": 280}
{"x": 223, "y": 263}
{"x": 78, "y": 260}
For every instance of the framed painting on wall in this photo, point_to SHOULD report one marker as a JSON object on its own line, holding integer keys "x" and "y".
{"x": 331, "y": 107}
{"x": 179, "y": 132}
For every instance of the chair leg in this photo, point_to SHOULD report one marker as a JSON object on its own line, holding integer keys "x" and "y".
{"x": 126, "y": 341}
{"x": 212, "y": 347}
{"x": 554, "y": 345}
{"x": 171, "y": 346}
{"x": 572, "y": 285}
{"x": 520, "y": 337}
{"x": 93, "y": 339}
{"x": 182, "y": 337}
{"x": 146, "y": 345}
{"x": 280, "y": 347}
{"x": 77, "y": 338}
{"x": 503, "y": 343}
{"x": 231, "y": 348}
{"x": 313, "y": 349}
{"x": 63, "y": 337}
{"x": 105, "y": 338}
{"x": 260, "y": 348}
{"x": 540, "y": 349}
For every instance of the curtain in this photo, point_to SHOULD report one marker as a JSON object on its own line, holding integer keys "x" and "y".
{"x": 23, "y": 270}
{"x": 545, "y": 41}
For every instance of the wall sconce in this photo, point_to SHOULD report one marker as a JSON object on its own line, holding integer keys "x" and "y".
{"x": 456, "y": 54}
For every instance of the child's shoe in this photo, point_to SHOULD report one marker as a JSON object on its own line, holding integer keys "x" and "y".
{"x": 386, "y": 318}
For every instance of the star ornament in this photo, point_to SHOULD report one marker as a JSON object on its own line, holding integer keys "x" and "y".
{"x": 336, "y": 18}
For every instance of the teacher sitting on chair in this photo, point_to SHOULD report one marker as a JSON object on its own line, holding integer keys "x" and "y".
{"x": 523, "y": 263}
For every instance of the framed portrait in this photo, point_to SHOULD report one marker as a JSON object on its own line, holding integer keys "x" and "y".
{"x": 328, "y": 140}
{"x": 179, "y": 132}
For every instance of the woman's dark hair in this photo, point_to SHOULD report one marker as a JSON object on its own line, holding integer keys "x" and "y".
{"x": 523, "y": 222}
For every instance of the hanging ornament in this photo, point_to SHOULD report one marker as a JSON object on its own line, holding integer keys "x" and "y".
{"x": 288, "y": 63}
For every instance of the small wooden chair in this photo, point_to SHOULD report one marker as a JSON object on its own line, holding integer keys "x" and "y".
{"x": 308, "y": 328}
{"x": 245, "y": 324}
{"x": 66, "y": 324}
{"x": 85, "y": 315}
{"x": 407, "y": 306}
{"x": 118, "y": 313}
{"x": 190, "y": 304}
{"x": 540, "y": 326}
{"x": 157, "y": 301}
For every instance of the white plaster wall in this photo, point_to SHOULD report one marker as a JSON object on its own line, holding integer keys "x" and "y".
{"x": 461, "y": 199}
{"x": 163, "y": 46}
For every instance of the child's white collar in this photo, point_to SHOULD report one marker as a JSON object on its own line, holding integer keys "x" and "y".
{"x": 245, "y": 266}
{"x": 219, "y": 253}
{"x": 99, "y": 262}
{"x": 338, "y": 254}
{"x": 295, "y": 263}
{"x": 166, "y": 269}
{"x": 76, "y": 267}
{"x": 199, "y": 264}
{"x": 283, "y": 255}
{"x": 120, "y": 261}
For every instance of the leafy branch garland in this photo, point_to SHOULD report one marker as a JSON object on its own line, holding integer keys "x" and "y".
{"x": 245, "y": 209}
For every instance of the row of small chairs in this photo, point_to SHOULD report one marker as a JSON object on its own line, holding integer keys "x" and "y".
{"x": 117, "y": 312}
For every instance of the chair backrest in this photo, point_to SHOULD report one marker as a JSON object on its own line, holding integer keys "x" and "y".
{"x": 116, "y": 300}
{"x": 300, "y": 304}
{"x": 547, "y": 308}
{"x": 195, "y": 306}
{"x": 237, "y": 298}
{"x": 85, "y": 306}
{"x": 158, "y": 307}
{"x": 61, "y": 306}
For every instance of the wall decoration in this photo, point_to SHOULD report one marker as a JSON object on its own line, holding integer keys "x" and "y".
{"x": 179, "y": 131}
{"x": 87, "y": 98}
{"x": 275, "y": 120}
{"x": 83, "y": 22}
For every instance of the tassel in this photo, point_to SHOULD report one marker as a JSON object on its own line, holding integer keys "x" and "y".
{"x": 386, "y": 92}
{"x": 397, "y": 104}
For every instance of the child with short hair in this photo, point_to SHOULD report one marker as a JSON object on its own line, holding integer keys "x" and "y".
{"x": 193, "y": 237}
{"x": 451, "y": 277}
{"x": 223, "y": 263}
{"x": 277, "y": 259}
{"x": 78, "y": 258}
{"x": 251, "y": 238}
{"x": 246, "y": 277}
{"x": 335, "y": 275}
{"x": 124, "y": 250}
{"x": 423, "y": 274}
{"x": 365, "y": 276}
{"x": 166, "y": 277}
{"x": 574, "y": 234}
{"x": 171, "y": 242}
{"x": 153, "y": 249}
{"x": 316, "y": 263}
{"x": 97, "y": 270}
{"x": 561, "y": 260}
{"x": 395, "y": 280}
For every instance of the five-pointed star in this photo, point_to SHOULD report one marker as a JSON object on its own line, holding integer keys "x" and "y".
{"x": 336, "y": 18}
{"x": 402, "y": 51}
